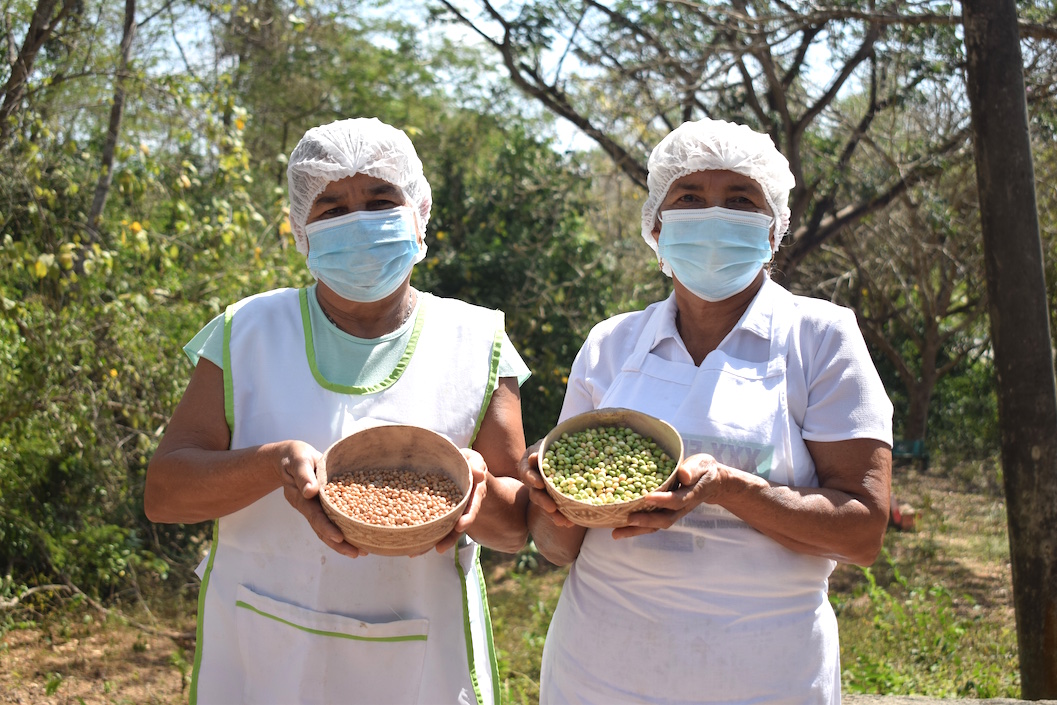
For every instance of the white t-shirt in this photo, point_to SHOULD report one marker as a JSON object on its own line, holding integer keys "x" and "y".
{"x": 832, "y": 379}
{"x": 710, "y": 610}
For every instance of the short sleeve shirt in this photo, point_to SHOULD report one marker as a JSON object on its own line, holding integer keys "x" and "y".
{"x": 834, "y": 390}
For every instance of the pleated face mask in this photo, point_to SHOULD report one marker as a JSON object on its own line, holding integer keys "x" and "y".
{"x": 714, "y": 252}
{"x": 366, "y": 255}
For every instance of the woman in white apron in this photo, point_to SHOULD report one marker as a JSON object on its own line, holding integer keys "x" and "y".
{"x": 288, "y": 611}
{"x": 720, "y": 595}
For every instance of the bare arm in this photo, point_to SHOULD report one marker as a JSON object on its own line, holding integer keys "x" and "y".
{"x": 843, "y": 519}
{"x": 557, "y": 539}
{"x": 193, "y": 476}
{"x": 500, "y": 523}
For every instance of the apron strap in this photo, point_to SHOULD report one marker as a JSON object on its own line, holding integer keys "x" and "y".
{"x": 634, "y": 361}
{"x": 783, "y": 317}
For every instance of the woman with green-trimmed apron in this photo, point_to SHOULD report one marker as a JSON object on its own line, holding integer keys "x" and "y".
{"x": 289, "y": 612}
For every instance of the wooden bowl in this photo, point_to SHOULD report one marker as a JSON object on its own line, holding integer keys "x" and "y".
{"x": 611, "y": 515}
{"x": 395, "y": 447}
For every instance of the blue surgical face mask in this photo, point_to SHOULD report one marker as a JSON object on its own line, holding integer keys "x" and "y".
{"x": 714, "y": 252}
{"x": 366, "y": 255}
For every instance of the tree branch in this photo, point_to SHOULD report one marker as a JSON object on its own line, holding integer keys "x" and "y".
{"x": 41, "y": 26}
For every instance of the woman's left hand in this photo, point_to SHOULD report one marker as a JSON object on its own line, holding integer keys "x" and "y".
{"x": 698, "y": 479}
{"x": 842, "y": 519}
{"x": 479, "y": 473}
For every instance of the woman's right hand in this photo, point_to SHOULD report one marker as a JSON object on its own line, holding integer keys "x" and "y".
{"x": 530, "y": 475}
{"x": 556, "y": 537}
{"x": 296, "y": 465}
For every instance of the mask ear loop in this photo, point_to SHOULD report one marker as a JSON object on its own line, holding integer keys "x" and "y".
{"x": 657, "y": 241}
{"x": 772, "y": 230}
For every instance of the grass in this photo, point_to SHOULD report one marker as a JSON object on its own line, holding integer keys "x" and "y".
{"x": 933, "y": 616}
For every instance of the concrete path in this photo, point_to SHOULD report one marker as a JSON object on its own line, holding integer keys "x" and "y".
{"x": 856, "y": 699}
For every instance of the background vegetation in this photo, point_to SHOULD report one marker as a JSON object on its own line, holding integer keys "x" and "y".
{"x": 142, "y": 157}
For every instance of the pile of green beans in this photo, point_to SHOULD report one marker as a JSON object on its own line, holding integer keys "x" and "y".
{"x": 606, "y": 465}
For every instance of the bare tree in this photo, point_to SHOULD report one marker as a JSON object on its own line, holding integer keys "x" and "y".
{"x": 41, "y": 27}
{"x": 912, "y": 276}
{"x": 117, "y": 108}
{"x": 626, "y": 76}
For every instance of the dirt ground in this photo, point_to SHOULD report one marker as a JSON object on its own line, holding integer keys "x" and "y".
{"x": 96, "y": 663}
{"x": 92, "y": 660}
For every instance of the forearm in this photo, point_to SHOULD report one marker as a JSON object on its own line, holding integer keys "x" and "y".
{"x": 500, "y": 524}
{"x": 188, "y": 485}
{"x": 817, "y": 521}
{"x": 558, "y": 544}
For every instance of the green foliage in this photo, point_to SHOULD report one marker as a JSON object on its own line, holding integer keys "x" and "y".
{"x": 91, "y": 326}
{"x": 507, "y": 232}
{"x": 521, "y": 611}
{"x": 907, "y": 625}
{"x": 963, "y": 416}
{"x": 92, "y": 321}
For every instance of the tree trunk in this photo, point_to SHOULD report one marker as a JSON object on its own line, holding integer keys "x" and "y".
{"x": 920, "y": 395}
{"x": 1027, "y": 392}
{"x": 41, "y": 26}
{"x": 117, "y": 109}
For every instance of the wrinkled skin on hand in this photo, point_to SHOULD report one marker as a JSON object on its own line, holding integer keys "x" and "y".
{"x": 297, "y": 471}
{"x": 698, "y": 481}
{"x": 479, "y": 490}
{"x": 530, "y": 475}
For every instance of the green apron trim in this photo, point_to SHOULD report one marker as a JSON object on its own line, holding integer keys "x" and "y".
{"x": 193, "y": 698}
{"x": 493, "y": 378}
{"x": 488, "y": 629}
{"x": 493, "y": 374}
{"x": 405, "y": 359}
{"x": 323, "y": 632}
{"x": 229, "y": 413}
{"x": 229, "y": 416}
{"x": 493, "y": 662}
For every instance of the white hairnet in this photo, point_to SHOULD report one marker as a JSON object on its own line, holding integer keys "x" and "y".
{"x": 706, "y": 145}
{"x": 345, "y": 148}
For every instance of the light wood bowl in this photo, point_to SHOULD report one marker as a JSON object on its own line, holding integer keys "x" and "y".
{"x": 403, "y": 447}
{"x": 611, "y": 515}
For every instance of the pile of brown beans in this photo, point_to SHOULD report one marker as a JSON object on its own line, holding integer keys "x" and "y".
{"x": 393, "y": 497}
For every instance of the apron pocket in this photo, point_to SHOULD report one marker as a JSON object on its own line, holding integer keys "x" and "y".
{"x": 291, "y": 654}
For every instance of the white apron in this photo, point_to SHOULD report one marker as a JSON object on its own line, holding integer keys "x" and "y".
{"x": 710, "y": 610}
{"x": 282, "y": 617}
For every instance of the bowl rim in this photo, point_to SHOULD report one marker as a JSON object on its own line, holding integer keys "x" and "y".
{"x": 582, "y": 421}
{"x": 457, "y": 509}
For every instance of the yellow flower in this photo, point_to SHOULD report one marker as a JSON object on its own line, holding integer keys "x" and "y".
{"x": 113, "y": 372}
{"x": 136, "y": 227}
{"x": 240, "y": 124}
